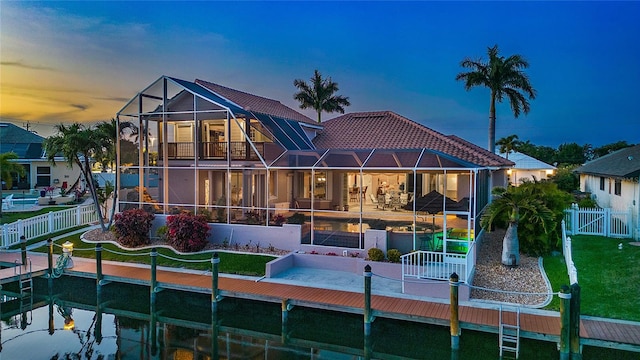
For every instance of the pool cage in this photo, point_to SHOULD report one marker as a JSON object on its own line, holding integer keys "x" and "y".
{"x": 182, "y": 147}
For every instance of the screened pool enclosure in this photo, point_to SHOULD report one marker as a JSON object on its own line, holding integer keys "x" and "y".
{"x": 187, "y": 146}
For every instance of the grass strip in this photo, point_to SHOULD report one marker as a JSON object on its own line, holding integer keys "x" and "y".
{"x": 230, "y": 263}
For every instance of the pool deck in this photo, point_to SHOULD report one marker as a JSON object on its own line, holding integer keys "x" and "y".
{"x": 320, "y": 290}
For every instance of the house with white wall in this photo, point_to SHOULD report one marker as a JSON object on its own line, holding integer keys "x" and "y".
{"x": 526, "y": 168}
{"x": 39, "y": 172}
{"x": 613, "y": 182}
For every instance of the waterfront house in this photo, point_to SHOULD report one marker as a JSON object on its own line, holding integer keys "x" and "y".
{"x": 39, "y": 172}
{"x": 612, "y": 181}
{"x": 244, "y": 160}
{"x": 526, "y": 168}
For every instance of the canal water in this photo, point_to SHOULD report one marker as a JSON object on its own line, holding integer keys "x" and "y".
{"x": 68, "y": 321}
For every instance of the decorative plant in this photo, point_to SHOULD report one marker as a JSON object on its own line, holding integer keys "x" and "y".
{"x": 162, "y": 231}
{"x": 49, "y": 190}
{"x": 253, "y": 217}
{"x": 132, "y": 227}
{"x": 296, "y": 218}
{"x": 188, "y": 232}
{"x": 279, "y": 219}
{"x": 378, "y": 224}
{"x": 375, "y": 254}
{"x": 394, "y": 255}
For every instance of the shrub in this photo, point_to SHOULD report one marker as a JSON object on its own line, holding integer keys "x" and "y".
{"x": 375, "y": 254}
{"x": 279, "y": 219}
{"x": 296, "y": 218}
{"x": 161, "y": 233}
{"x": 188, "y": 232}
{"x": 132, "y": 227}
{"x": 394, "y": 255}
{"x": 587, "y": 203}
{"x": 378, "y": 224}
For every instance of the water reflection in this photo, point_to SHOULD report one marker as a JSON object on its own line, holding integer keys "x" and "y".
{"x": 120, "y": 323}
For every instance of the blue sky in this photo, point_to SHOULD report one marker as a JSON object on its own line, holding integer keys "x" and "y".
{"x": 81, "y": 61}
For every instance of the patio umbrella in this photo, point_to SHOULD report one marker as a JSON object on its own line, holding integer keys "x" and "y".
{"x": 432, "y": 203}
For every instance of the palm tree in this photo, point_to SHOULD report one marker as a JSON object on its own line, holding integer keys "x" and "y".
{"x": 319, "y": 95}
{"x": 504, "y": 77}
{"x": 508, "y": 144}
{"x": 517, "y": 204}
{"x": 78, "y": 145}
{"x": 8, "y": 167}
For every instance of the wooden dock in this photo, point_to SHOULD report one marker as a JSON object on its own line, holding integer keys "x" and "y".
{"x": 535, "y": 324}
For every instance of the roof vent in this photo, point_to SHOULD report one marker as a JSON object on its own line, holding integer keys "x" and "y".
{"x": 630, "y": 157}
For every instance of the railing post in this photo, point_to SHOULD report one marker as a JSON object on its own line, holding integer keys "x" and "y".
{"x": 576, "y": 349}
{"x": 607, "y": 222}
{"x": 367, "y": 300}
{"x": 78, "y": 216}
{"x": 454, "y": 321}
{"x": 5, "y": 236}
{"x": 50, "y": 223}
{"x": 565, "y": 321}
{"x": 20, "y": 227}
{"x": 215, "y": 263}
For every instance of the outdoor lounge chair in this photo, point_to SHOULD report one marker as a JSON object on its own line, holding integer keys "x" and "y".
{"x": 7, "y": 203}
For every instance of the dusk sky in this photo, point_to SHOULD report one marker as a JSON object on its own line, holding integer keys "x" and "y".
{"x": 82, "y": 61}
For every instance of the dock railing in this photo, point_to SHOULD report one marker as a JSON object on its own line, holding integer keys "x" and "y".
{"x": 46, "y": 224}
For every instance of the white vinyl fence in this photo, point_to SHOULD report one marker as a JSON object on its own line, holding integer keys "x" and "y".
{"x": 46, "y": 224}
{"x": 605, "y": 222}
{"x": 568, "y": 256}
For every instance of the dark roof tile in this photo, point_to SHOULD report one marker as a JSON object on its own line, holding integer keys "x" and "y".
{"x": 624, "y": 163}
{"x": 388, "y": 130}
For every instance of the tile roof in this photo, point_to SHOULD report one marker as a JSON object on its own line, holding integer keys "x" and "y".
{"x": 25, "y": 144}
{"x": 256, "y": 103}
{"x": 624, "y": 163}
{"x": 388, "y": 130}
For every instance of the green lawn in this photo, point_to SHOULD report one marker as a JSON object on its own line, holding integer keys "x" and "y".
{"x": 230, "y": 263}
{"x": 608, "y": 277}
{"x": 9, "y": 217}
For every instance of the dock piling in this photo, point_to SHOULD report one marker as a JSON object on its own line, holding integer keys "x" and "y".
{"x": 98, "y": 269}
{"x": 50, "y": 261}
{"x": 576, "y": 349}
{"x": 454, "y": 321}
{"x": 154, "y": 259}
{"x": 215, "y": 264}
{"x": 565, "y": 321}
{"x": 367, "y": 300}
{"x": 23, "y": 249}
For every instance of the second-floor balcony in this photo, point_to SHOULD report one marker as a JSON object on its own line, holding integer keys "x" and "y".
{"x": 238, "y": 150}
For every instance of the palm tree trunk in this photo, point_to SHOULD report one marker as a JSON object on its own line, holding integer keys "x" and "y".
{"x": 511, "y": 246}
{"x": 319, "y": 116}
{"x": 492, "y": 123}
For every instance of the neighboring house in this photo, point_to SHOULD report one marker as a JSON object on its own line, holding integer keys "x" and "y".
{"x": 243, "y": 158}
{"x": 39, "y": 172}
{"x": 525, "y": 168}
{"x": 613, "y": 182}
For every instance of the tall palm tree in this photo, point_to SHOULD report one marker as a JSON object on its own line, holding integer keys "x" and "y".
{"x": 504, "y": 77}
{"x": 78, "y": 145}
{"x": 508, "y": 144}
{"x": 319, "y": 95}
{"x": 517, "y": 204}
{"x": 8, "y": 167}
